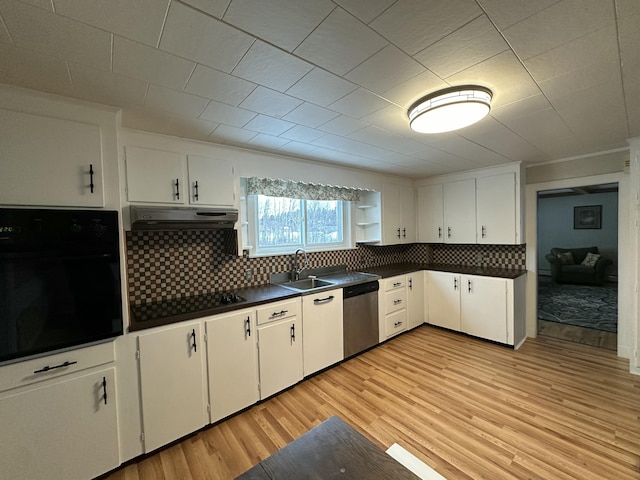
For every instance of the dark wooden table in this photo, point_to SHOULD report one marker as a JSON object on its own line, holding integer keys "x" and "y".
{"x": 331, "y": 450}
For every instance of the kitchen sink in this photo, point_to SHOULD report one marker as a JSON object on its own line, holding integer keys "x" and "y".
{"x": 305, "y": 284}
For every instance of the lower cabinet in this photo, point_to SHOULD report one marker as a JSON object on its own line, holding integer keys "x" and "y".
{"x": 487, "y": 307}
{"x": 172, "y": 383}
{"x": 322, "y": 330}
{"x": 232, "y": 362}
{"x": 65, "y": 430}
{"x": 416, "y": 314}
{"x": 279, "y": 346}
{"x": 393, "y": 306}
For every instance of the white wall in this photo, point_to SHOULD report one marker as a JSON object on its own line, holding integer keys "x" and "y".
{"x": 555, "y": 227}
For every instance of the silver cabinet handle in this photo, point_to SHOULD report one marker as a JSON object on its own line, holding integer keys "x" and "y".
{"x": 279, "y": 314}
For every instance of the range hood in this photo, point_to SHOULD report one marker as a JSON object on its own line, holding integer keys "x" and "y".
{"x": 182, "y": 218}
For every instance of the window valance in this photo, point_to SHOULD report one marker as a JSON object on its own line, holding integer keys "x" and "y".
{"x": 277, "y": 187}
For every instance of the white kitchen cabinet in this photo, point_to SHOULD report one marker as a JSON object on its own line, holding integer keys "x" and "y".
{"x": 279, "y": 346}
{"x": 483, "y": 307}
{"x": 415, "y": 299}
{"x": 443, "y": 294}
{"x": 367, "y": 217}
{"x": 155, "y": 176}
{"x": 496, "y": 209}
{"x": 398, "y": 214}
{"x": 54, "y": 162}
{"x": 460, "y": 211}
{"x": 430, "y": 217}
{"x": 172, "y": 382}
{"x": 232, "y": 361}
{"x": 158, "y": 176}
{"x": 393, "y": 306}
{"x": 65, "y": 429}
{"x": 322, "y": 343}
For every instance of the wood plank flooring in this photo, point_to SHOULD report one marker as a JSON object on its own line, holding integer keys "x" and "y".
{"x": 573, "y": 333}
{"x": 469, "y": 409}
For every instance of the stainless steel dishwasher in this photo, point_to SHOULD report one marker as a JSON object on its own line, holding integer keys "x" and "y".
{"x": 360, "y": 317}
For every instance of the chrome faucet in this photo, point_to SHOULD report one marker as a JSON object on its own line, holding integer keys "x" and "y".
{"x": 295, "y": 271}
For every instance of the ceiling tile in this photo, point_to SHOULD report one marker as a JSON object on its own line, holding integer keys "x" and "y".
{"x": 386, "y": 69}
{"x": 326, "y": 44}
{"x": 321, "y": 88}
{"x": 227, "y": 114}
{"x": 270, "y": 102}
{"x": 45, "y": 32}
{"x": 298, "y": 148}
{"x": 359, "y": 103}
{"x": 413, "y": 25}
{"x": 230, "y": 44}
{"x": 342, "y": 125}
{"x": 212, "y": 7}
{"x": 106, "y": 87}
{"x": 268, "y": 125}
{"x": 216, "y": 85}
{"x": 521, "y": 108}
{"x": 268, "y": 141}
{"x": 365, "y": 10}
{"x": 233, "y": 135}
{"x": 179, "y": 103}
{"x": 537, "y": 128}
{"x": 271, "y": 67}
{"x": 193, "y": 128}
{"x": 281, "y": 22}
{"x": 300, "y": 133}
{"x": 46, "y": 4}
{"x": 145, "y": 63}
{"x": 119, "y": 16}
{"x": 505, "y": 13}
{"x": 391, "y": 118}
{"x": 476, "y": 41}
{"x": 558, "y": 24}
{"x": 456, "y": 145}
{"x": 148, "y": 120}
{"x": 310, "y": 115}
{"x": 34, "y": 70}
{"x": 408, "y": 92}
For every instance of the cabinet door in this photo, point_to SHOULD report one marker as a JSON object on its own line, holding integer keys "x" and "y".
{"x": 415, "y": 299}
{"x": 395, "y": 323}
{"x": 322, "y": 329}
{"x": 210, "y": 181}
{"x": 172, "y": 384}
{"x": 48, "y": 161}
{"x": 155, "y": 176}
{"x": 232, "y": 362}
{"x": 391, "y": 214}
{"x": 483, "y": 311}
{"x": 496, "y": 209}
{"x": 66, "y": 430}
{"x": 280, "y": 355}
{"x": 430, "y": 214}
{"x": 460, "y": 211}
{"x": 444, "y": 299}
{"x": 408, "y": 214}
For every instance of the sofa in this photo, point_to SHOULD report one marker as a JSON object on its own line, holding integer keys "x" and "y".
{"x": 578, "y": 265}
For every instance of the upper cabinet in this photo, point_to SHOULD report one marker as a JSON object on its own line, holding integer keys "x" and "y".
{"x": 398, "y": 214}
{"x": 475, "y": 207}
{"x": 367, "y": 218}
{"x": 158, "y": 176}
{"x": 50, "y": 161}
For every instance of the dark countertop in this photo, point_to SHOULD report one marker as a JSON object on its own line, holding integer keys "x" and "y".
{"x": 254, "y": 296}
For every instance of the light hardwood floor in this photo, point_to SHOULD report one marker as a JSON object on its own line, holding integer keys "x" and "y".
{"x": 469, "y": 409}
{"x": 572, "y": 333}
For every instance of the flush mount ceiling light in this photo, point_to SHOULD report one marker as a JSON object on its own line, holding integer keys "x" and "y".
{"x": 450, "y": 109}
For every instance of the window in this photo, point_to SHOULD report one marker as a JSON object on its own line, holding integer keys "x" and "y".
{"x": 280, "y": 224}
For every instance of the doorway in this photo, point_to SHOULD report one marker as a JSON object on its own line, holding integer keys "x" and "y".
{"x": 578, "y": 263}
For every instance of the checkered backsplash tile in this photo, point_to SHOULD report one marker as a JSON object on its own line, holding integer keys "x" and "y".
{"x": 174, "y": 264}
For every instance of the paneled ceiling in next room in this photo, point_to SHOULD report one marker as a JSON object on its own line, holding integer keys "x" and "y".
{"x": 331, "y": 81}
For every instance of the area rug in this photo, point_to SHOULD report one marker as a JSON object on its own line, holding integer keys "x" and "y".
{"x": 582, "y": 305}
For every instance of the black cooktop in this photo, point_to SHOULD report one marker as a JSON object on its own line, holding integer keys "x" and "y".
{"x": 179, "y": 306}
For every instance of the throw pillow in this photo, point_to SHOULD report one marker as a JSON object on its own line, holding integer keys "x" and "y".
{"x": 591, "y": 259}
{"x": 566, "y": 258}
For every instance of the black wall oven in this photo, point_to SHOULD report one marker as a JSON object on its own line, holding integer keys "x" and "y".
{"x": 59, "y": 280}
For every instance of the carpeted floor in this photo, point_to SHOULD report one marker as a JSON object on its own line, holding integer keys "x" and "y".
{"x": 582, "y": 305}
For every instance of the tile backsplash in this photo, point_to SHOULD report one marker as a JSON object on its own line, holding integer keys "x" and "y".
{"x": 172, "y": 264}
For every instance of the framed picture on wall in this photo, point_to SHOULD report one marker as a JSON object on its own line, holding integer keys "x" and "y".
{"x": 588, "y": 216}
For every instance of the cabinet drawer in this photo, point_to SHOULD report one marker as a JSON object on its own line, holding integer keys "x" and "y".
{"x": 395, "y": 300}
{"x": 394, "y": 283}
{"x": 52, "y": 366}
{"x": 395, "y": 323}
{"x": 278, "y": 310}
